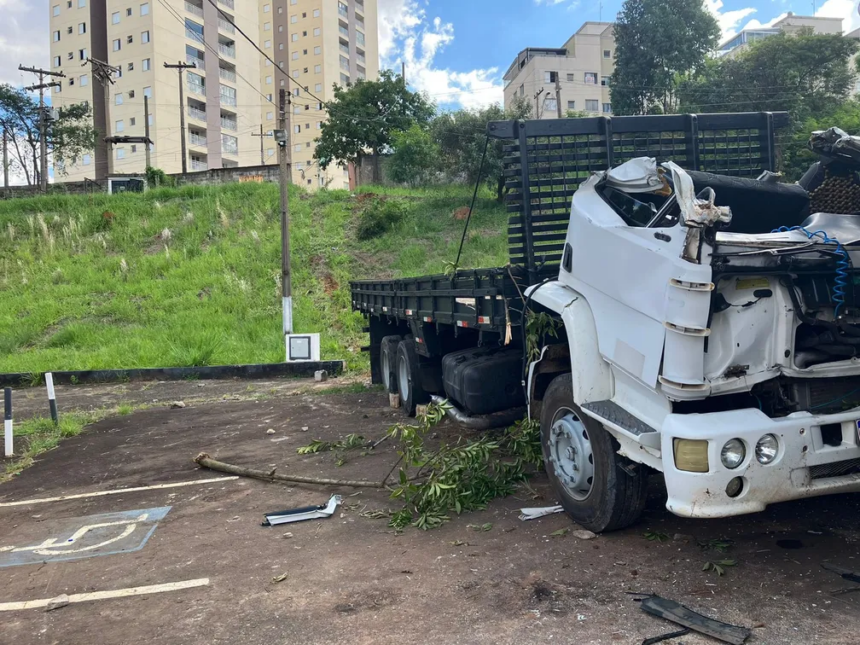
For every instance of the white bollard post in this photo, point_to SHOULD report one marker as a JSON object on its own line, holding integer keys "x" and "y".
{"x": 7, "y": 421}
{"x": 52, "y": 399}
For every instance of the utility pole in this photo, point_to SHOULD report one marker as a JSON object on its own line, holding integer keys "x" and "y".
{"x": 403, "y": 71}
{"x": 558, "y": 93}
{"x": 283, "y": 139}
{"x": 43, "y": 117}
{"x": 537, "y": 103}
{"x": 5, "y": 159}
{"x": 103, "y": 73}
{"x": 262, "y": 150}
{"x": 181, "y": 67}
{"x": 146, "y": 131}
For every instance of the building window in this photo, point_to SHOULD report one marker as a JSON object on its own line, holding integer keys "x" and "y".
{"x": 280, "y": 29}
{"x": 319, "y": 125}
{"x": 120, "y": 126}
{"x": 133, "y": 149}
{"x": 84, "y": 81}
{"x": 71, "y": 56}
{"x": 82, "y": 28}
{"x": 298, "y": 147}
{"x": 317, "y": 31}
{"x": 57, "y": 61}
{"x": 270, "y": 116}
{"x": 82, "y": 54}
{"x": 295, "y": 55}
{"x": 130, "y": 40}
{"x": 281, "y": 46}
{"x": 147, "y": 91}
{"x": 114, "y": 19}
{"x": 591, "y": 105}
{"x": 56, "y": 37}
{"x": 87, "y": 160}
{"x": 120, "y": 153}
{"x": 549, "y": 77}
{"x": 604, "y": 81}
{"x": 317, "y": 69}
{"x": 146, "y": 64}
{"x": 268, "y": 80}
{"x": 550, "y": 105}
{"x": 571, "y": 105}
{"x": 119, "y": 98}
{"x": 144, "y": 37}
{"x": 267, "y": 8}
{"x": 570, "y": 78}
{"x": 69, "y": 29}
{"x": 71, "y": 81}
{"x": 132, "y": 121}
{"x": 56, "y": 10}
{"x": 607, "y": 108}
{"x": 144, "y": 9}
{"x": 294, "y": 37}
{"x": 131, "y": 96}
{"x": 316, "y": 13}
{"x": 294, "y": 19}
{"x": 591, "y": 78}
{"x": 318, "y": 87}
{"x": 317, "y": 51}
{"x": 128, "y": 12}
{"x": 297, "y": 129}
{"x": 607, "y": 53}
{"x": 344, "y": 79}
{"x": 359, "y": 38}
{"x": 267, "y": 44}
{"x": 117, "y": 45}
{"x": 267, "y": 26}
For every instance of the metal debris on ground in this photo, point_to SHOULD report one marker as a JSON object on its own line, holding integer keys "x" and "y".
{"x": 57, "y": 603}
{"x": 279, "y": 578}
{"x": 302, "y": 514}
{"x": 678, "y": 613}
{"x": 527, "y": 514}
{"x": 845, "y": 574}
{"x": 665, "y": 637}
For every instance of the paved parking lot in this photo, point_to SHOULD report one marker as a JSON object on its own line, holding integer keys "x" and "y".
{"x": 208, "y": 566}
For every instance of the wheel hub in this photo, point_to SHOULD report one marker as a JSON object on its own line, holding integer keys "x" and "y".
{"x": 386, "y": 370}
{"x": 570, "y": 455}
{"x": 403, "y": 379}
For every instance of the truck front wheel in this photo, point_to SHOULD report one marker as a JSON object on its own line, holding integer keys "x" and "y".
{"x": 598, "y": 488}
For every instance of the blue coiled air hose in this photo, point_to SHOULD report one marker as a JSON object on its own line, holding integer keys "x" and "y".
{"x": 842, "y": 266}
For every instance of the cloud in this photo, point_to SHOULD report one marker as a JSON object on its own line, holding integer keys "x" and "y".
{"x": 23, "y": 40}
{"x": 727, "y": 20}
{"x": 845, "y": 9}
{"x": 406, "y": 34}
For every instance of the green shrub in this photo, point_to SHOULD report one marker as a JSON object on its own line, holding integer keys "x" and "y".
{"x": 379, "y": 217}
{"x": 156, "y": 178}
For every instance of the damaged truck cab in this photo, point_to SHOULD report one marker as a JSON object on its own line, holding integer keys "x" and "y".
{"x": 712, "y": 331}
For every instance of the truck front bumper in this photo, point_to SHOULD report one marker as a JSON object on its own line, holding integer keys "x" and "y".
{"x": 817, "y": 455}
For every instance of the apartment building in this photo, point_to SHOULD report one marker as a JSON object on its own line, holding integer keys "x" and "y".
{"x": 230, "y": 94}
{"x": 320, "y": 43}
{"x": 579, "y": 70}
{"x": 790, "y": 24}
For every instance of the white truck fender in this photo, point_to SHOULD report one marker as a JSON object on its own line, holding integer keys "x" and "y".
{"x": 591, "y": 375}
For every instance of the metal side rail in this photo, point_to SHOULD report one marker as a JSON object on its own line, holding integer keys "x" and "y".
{"x": 616, "y": 417}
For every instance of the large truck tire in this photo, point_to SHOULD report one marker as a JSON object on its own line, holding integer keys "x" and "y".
{"x": 388, "y": 362}
{"x": 409, "y": 379}
{"x": 598, "y": 488}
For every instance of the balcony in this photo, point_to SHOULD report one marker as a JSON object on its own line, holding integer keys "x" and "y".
{"x": 343, "y": 31}
{"x": 196, "y": 61}
{"x": 193, "y": 8}
{"x": 226, "y": 26}
{"x": 196, "y": 88}
{"x": 197, "y": 139}
{"x": 228, "y": 123}
{"x": 229, "y": 145}
{"x": 228, "y": 101}
{"x": 227, "y": 75}
{"x": 343, "y": 10}
{"x": 227, "y": 50}
{"x": 228, "y": 3}
{"x": 344, "y": 48}
{"x": 361, "y": 59}
{"x": 196, "y": 113}
{"x": 200, "y": 165}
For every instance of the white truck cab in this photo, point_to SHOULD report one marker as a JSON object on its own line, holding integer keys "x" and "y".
{"x": 713, "y": 336}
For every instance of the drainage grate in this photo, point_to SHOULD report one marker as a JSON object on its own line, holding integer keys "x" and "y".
{"x": 836, "y": 469}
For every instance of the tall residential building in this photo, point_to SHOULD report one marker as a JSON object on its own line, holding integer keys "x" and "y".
{"x": 790, "y": 24}
{"x": 233, "y": 91}
{"x": 579, "y": 72}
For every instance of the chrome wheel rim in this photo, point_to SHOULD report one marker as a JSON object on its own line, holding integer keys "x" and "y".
{"x": 386, "y": 369}
{"x": 403, "y": 378}
{"x": 570, "y": 454}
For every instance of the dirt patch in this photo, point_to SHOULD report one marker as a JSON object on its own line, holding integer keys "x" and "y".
{"x": 330, "y": 285}
{"x": 461, "y": 213}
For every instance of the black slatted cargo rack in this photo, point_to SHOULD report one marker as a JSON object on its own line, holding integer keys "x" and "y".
{"x": 548, "y": 159}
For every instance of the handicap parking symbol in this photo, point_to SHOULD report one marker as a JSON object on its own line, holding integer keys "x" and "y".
{"x": 85, "y": 537}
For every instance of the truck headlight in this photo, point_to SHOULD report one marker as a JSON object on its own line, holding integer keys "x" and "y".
{"x": 691, "y": 455}
{"x": 766, "y": 449}
{"x": 733, "y": 453}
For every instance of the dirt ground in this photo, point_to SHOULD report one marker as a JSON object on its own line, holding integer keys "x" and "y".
{"x": 350, "y": 578}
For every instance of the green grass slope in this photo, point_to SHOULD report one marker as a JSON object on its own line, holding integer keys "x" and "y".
{"x": 191, "y": 276}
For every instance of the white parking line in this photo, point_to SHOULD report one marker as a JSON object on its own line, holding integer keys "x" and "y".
{"x": 119, "y": 491}
{"x": 105, "y": 595}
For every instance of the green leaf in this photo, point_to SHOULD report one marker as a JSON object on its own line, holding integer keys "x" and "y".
{"x": 560, "y": 533}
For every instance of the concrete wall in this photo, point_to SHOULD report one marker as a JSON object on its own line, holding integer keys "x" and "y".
{"x": 268, "y": 173}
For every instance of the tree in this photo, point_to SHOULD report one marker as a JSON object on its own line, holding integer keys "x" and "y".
{"x": 805, "y": 74}
{"x": 70, "y": 136}
{"x": 415, "y": 156}
{"x": 362, "y": 117}
{"x": 656, "y": 42}
{"x": 462, "y": 136}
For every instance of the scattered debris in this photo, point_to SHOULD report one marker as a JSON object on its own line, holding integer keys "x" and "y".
{"x": 279, "y": 578}
{"x": 321, "y": 376}
{"x": 177, "y": 405}
{"x": 682, "y": 537}
{"x": 420, "y": 411}
{"x": 678, "y": 613}
{"x": 305, "y": 513}
{"x": 204, "y": 460}
{"x": 57, "y": 603}
{"x": 394, "y": 401}
{"x": 656, "y": 536}
{"x": 845, "y": 574}
{"x": 527, "y": 514}
{"x": 270, "y": 431}
{"x": 488, "y": 526}
{"x": 288, "y": 536}
{"x": 659, "y": 639}
{"x": 304, "y": 428}
{"x": 719, "y": 566}
{"x": 582, "y": 534}
{"x": 559, "y": 533}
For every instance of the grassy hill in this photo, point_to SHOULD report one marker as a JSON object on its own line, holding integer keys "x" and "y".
{"x": 191, "y": 276}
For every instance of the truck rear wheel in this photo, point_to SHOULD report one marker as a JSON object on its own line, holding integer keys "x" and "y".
{"x": 388, "y": 362}
{"x": 593, "y": 482}
{"x": 409, "y": 381}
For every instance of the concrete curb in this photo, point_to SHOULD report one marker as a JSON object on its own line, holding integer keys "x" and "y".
{"x": 214, "y": 372}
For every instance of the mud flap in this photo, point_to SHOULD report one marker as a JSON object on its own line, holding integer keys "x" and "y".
{"x": 677, "y": 613}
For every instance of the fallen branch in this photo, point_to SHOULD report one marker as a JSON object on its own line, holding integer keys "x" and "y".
{"x": 204, "y": 460}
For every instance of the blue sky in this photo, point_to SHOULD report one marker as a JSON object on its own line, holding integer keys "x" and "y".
{"x": 456, "y": 50}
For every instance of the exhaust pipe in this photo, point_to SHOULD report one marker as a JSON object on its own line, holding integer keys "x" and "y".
{"x": 486, "y": 422}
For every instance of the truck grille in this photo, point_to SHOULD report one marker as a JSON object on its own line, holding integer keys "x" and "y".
{"x": 826, "y": 395}
{"x": 836, "y": 469}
